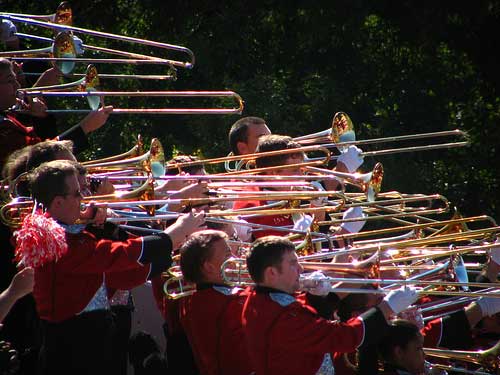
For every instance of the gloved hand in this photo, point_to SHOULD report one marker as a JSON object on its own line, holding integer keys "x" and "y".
{"x": 489, "y": 305}
{"x": 351, "y": 158}
{"x": 303, "y": 222}
{"x": 399, "y": 299}
{"x": 316, "y": 283}
{"x": 353, "y": 226}
{"x": 244, "y": 232}
{"x": 78, "y": 45}
{"x": 320, "y": 201}
{"x": 495, "y": 253}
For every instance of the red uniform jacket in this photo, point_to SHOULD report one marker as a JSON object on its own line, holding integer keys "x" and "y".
{"x": 63, "y": 288}
{"x": 14, "y": 136}
{"x": 271, "y": 220}
{"x": 211, "y": 318}
{"x": 286, "y": 337}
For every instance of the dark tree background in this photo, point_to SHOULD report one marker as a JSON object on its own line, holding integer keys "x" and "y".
{"x": 396, "y": 67}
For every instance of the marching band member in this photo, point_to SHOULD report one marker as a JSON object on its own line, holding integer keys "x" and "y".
{"x": 211, "y": 317}
{"x": 15, "y": 134}
{"x": 285, "y": 336}
{"x": 70, "y": 286}
{"x": 272, "y": 143}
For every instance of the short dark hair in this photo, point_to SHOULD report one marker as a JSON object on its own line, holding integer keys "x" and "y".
{"x": 171, "y": 168}
{"x": 399, "y": 333}
{"x": 197, "y": 249}
{"x": 49, "y": 180}
{"x": 267, "y": 252}
{"x": 47, "y": 151}
{"x": 15, "y": 164}
{"x": 239, "y": 131}
{"x": 274, "y": 142}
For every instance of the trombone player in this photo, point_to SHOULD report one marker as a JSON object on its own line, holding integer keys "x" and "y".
{"x": 285, "y": 335}
{"x": 16, "y": 133}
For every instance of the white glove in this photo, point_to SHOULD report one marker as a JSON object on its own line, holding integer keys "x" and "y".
{"x": 351, "y": 158}
{"x": 399, "y": 299}
{"x": 303, "y": 223}
{"x": 316, "y": 283}
{"x": 353, "y": 226}
{"x": 8, "y": 31}
{"x": 489, "y": 305}
{"x": 320, "y": 201}
{"x": 244, "y": 232}
{"x": 495, "y": 253}
{"x": 78, "y": 45}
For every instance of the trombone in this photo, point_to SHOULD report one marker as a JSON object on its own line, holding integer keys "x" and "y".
{"x": 189, "y": 63}
{"x": 62, "y": 16}
{"x": 61, "y": 49}
{"x": 87, "y": 89}
{"x": 342, "y": 134}
{"x": 234, "y": 272}
{"x": 251, "y": 157}
{"x": 370, "y": 183}
{"x": 488, "y": 358}
{"x": 65, "y": 62}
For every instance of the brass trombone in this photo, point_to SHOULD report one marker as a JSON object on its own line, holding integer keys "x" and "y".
{"x": 250, "y": 157}
{"x": 370, "y": 183}
{"x": 151, "y": 162}
{"x": 61, "y": 49}
{"x": 488, "y": 358}
{"x": 342, "y": 134}
{"x": 189, "y": 63}
{"x": 62, "y": 16}
{"x": 87, "y": 87}
{"x": 234, "y": 272}
{"x": 136, "y": 150}
{"x": 67, "y": 61}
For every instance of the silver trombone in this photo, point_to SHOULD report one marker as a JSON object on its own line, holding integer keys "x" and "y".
{"x": 189, "y": 63}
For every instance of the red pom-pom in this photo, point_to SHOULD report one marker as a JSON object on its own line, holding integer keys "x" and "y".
{"x": 40, "y": 240}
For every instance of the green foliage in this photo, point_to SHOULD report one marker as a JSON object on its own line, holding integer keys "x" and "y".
{"x": 394, "y": 67}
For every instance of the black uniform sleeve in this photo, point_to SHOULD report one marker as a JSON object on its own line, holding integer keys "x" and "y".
{"x": 457, "y": 332}
{"x": 157, "y": 250}
{"x": 324, "y": 305}
{"x": 375, "y": 327}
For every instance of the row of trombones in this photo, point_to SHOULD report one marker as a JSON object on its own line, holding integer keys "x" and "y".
{"x": 66, "y": 51}
{"x": 411, "y": 239}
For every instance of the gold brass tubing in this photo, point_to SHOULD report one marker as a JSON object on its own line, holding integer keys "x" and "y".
{"x": 426, "y": 256}
{"x": 487, "y": 358}
{"x": 248, "y": 157}
{"x": 407, "y": 227}
{"x": 185, "y": 64}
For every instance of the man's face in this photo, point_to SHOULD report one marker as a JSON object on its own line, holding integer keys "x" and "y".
{"x": 254, "y": 132}
{"x": 220, "y": 253}
{"x": 8, "y": 88}
{"x": 288, "y": 276}
{"x": 289, "y": 171}
{"x": 412, "y": 358}
{"x": 69, "y": 211}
